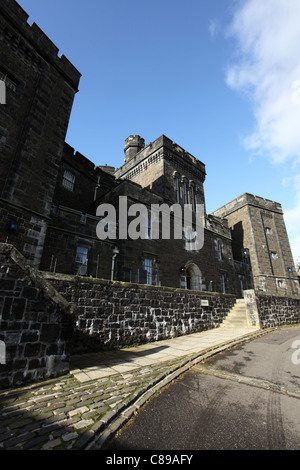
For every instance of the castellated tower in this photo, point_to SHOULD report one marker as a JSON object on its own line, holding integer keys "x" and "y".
{"x": 40, "y": 89}
{"x": 257, "y": 225}
{"x": 164, "y": 167}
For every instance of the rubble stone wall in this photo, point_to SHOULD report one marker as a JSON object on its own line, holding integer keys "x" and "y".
{"x": 115, "y": 314}
{"x": 36, "y": 324}
{"x": 277, "y": 311}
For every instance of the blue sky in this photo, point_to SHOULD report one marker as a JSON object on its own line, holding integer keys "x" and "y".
{"x": 221, "y": 78}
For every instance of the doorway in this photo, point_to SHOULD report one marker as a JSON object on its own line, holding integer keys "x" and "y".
{"x": 193, "y": 277}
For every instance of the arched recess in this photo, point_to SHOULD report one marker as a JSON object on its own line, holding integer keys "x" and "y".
{"x": 193, "y": 276}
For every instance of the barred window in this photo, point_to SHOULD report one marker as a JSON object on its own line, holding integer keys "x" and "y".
{"x": 68, "y": 181}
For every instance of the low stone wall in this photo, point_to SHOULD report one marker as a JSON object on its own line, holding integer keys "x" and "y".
{"x": 36, "y": 324}
{"x": 277, "y": 311}
{"x": 45, "y": 317}
{"x": 114, "y": 314}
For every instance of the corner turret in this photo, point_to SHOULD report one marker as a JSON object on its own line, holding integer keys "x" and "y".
{"x": 133, "y": 145}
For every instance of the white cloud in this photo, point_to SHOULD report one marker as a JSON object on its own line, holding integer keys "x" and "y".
{"x": 292, "y": 217}
{"x": 267, "y": 69}
{"x": 213, "y": 28}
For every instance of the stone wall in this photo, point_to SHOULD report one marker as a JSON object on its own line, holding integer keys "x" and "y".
{"x": 277, "y": 311}
{"x": 36, "y": 323}
{"x": 45, "y": 317}
{"x": 114, "y": 314}
{"x": 41, "y": 86}
{"x": 258, "y": 224}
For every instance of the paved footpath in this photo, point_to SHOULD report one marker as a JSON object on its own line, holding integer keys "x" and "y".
{"x": 103, "y": 391}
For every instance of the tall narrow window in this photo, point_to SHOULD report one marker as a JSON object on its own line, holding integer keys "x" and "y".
{"x": 148, "y": 266}
{"x": 193, "y": 195}
{"x": 224, "y": 283}
{"x": 81, "y": 256}
{"x": 220, "y": 250}
{"x": 185, "y": 191}
{"x": 68, "y": 181}
{"x": 177, "y": 187}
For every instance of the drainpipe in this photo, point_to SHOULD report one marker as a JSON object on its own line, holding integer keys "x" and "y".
{"x": 115, "y": 253}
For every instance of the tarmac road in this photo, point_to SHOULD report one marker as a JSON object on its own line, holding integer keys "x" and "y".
{"x": 247, "y": 398}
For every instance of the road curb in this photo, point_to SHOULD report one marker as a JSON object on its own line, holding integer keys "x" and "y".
{"x": 131, "y": 406}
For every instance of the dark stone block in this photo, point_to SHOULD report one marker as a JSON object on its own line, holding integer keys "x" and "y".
{"x": 18, "y": 308}
{"x": 32, "y": 349}
{"x": 52, "y": 350}
{"x": 29, "y": 337}
{"x": 7, "y": 308}
{"x": 30, "y": 292}
{"x": 49, "y": 333}
{"x": 7, "y": 285}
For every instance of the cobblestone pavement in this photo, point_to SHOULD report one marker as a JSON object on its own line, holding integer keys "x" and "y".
{"x": 67, "y": 413}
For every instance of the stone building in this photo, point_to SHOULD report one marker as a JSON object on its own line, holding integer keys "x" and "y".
{"x": 259, "y": 234}
{"x": 40, "y": 89}
{"x": 50, "y": 193}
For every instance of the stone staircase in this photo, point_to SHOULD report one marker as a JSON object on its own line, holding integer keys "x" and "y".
{"x": 237, "y": 317}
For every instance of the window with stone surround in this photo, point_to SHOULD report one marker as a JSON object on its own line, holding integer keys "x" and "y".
{"x": 281, "y": 283}
{"x": 81, "y": 260}
{"x": 148, "y": 266}
{"x": 224, "y": 283}
{"x": 220, "y": 250}
{"x": 68, "y": 181}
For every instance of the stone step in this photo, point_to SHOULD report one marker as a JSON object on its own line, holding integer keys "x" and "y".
{"x": 237, "y": 317}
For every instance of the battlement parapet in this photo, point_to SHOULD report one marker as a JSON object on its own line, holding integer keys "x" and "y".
{"x": 73, "y": 157}
{"x": 25, "y": 35}
{"x": 134, "y": 140}
{"x": 162, "y": 145}
{"x": 248, "y": 199}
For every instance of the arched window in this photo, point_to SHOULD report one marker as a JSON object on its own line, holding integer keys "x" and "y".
{"x": 68, "y": 181}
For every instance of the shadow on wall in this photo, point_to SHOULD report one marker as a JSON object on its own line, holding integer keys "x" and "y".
{"x": 45, "y": 318}
{"x": 36, "y": 324}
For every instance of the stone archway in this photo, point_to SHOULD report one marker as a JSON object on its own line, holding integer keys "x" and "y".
{"x": 193, "y": 277}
